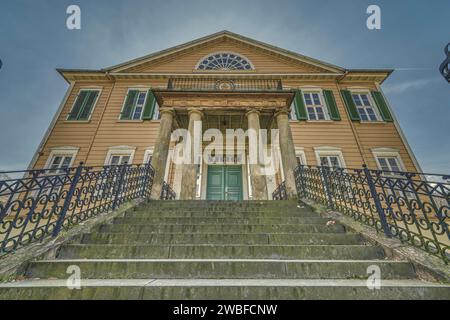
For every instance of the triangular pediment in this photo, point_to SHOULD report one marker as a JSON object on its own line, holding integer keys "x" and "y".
{"x": 264, "y": 58}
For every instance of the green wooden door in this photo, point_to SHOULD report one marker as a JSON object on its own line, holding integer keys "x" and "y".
{"x": 224, "y": 183}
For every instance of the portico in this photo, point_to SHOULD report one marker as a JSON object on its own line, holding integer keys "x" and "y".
{"x": 231, "y": 171}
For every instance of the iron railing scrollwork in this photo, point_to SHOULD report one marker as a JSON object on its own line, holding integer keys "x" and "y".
{"x": 41, "y": 203}
{"x": 408, "y": 206}
{"x": 280, "y": 192}
{"x": 167, "y": 192}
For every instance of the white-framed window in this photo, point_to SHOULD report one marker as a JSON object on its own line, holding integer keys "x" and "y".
{"x": 389, "y": 161}
{"x": 330, "y": 157}
{"x": 198, "y": 188}
{"x": 156, "y": 113}
{"x": 365, "y": 106}
{"x": 300, "y": 155}
{"x": 135, "y": 104}
{"x": 61, "y": 158}
{"x": 139, "y": 105}
{"x": 84, "y": 105}
{"x": 148, "y": 156}
{"x": 292, "y": 115}
{"x": 315, "y": 105}
{"x": 120, "y": 155}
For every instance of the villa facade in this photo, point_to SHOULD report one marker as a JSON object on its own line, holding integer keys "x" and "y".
{"x": 325, "y": 115}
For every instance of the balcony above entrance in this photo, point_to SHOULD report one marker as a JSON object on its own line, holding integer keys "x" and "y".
{"x": 224, "y": 84}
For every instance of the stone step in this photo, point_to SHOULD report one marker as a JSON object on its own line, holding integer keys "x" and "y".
{"x": 222, "y": 238}
{"x": 208, "y": 251}
{"x": 219, "y": 269}
{"x": 219, "y": 214}
{"x": 226, "y": 228}
{"x": 213, "y": 220}
{"x": 221, "y": 203}
{"x": 226, "y": 289}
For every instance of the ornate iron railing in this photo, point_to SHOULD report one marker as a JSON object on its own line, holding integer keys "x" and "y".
{"x": 404, "y": 205}
{"x": 41, "y": 203}
{"x": 224, "y": 84}
{"x": 280, "y": 192}
{"x": 167, "y": 192}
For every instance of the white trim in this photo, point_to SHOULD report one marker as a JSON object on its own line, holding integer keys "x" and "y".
{"x": 329, "y": 151}
{"x": 221, "y": 52}
{"x": 120, "y": 150}
{"x": 62, "y": 151}
{"x": 400, "y": 131}
{"x": 51, "y": 126}
{"x": 87, "y": 88}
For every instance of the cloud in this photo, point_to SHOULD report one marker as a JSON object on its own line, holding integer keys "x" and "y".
{"x": 408, "y": 85}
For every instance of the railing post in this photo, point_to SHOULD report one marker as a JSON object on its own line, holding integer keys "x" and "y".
{"x": 70, "y": 193}
{"x": 123, "y": 169}
{"x": 146, "y": 180}
{"x": 376, "y": 199}
{"x": 326, "y": 186}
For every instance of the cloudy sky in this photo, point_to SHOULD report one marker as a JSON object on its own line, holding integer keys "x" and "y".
{"x": 34, "y": 41}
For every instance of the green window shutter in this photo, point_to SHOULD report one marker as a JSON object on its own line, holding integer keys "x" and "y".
{"x": 73, "y": 115}
{"x": 331, "y": 104}
{"x": 149, "y": 108}
{"x": 88, "y": 105}
{"x": 350, "y": 105}
{"x": 382, "y": 106}
{"x": 128, "y": 107}
{"x": 300, "y": 109}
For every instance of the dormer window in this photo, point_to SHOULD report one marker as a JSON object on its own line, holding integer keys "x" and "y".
{"x": 224, "y": 61}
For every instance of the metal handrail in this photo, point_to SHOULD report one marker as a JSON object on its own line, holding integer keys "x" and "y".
{"x": 41, "y": 203}
{"x": 167, "y": 192}
{"x": 280, "y": 192}
{"x": 403, "y": 205}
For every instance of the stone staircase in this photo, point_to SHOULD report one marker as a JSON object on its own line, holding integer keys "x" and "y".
{"x": 221, "y": 250}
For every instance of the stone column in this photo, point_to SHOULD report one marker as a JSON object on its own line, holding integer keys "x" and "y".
{"x": 287, "y": 150}
{"x": 258, "y": 179}
{"x": 189, "y": 170}
{"x": 161, "y": 151}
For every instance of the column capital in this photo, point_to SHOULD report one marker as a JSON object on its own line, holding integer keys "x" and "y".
{"x": 281, "y": 111}
{"x": 198, "y": 111}
{"x": 167, "y": 110}
{"x": 252, "y": 110}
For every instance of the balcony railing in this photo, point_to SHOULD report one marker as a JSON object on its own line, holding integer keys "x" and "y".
{"x": 224, "y": 84}
{"x": 280, "y": 192}
{"x": 403, "y": 205}
{"x": 40, "y": 203}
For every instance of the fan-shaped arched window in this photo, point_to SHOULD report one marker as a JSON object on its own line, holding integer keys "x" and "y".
{"x": 224, "y": 61}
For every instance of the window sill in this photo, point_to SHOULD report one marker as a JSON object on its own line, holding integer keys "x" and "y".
{"x": 137, "y": 121}
{"x": 319, "y": 121}
{"x": 130, "y": 121}
{"x": 373, "y": 122}
{"x": 77, "y": 121}
{"x": 313, "y": 121}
